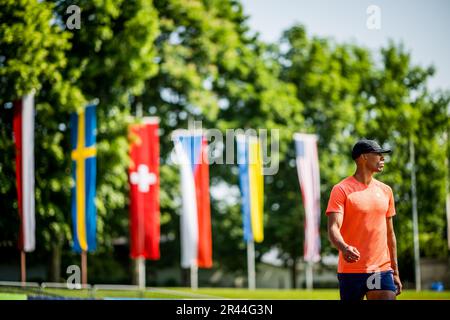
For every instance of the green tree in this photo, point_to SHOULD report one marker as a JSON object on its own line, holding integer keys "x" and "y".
{"x": 114, "y": 54}
{"x": 107, "y": 59}
{"x": 348, "y": 96}
{"x": 198, "y": 60}
{"x": 212, "y": 70}
{"x": 32, "y": 51}
{"x": 329, "y": 78}
{"x": 402, "y": 109}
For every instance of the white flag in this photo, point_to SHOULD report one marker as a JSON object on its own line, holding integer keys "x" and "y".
{"x": 189, "y": 223}
{"x": 309, "y": 177}
{"x": 23, "y": 127}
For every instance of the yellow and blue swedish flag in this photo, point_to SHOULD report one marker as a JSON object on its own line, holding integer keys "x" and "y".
{"x": 83, "y": 138}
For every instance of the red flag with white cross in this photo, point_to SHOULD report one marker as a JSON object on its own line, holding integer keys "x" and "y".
{"x": 144, "y": 190}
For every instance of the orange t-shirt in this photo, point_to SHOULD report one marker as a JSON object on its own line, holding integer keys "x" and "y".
{"x": 365, "y": 208}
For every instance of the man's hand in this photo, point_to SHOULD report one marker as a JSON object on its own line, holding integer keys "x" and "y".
{"x": 398, "y": 283}
{"x": 351, "y": 254}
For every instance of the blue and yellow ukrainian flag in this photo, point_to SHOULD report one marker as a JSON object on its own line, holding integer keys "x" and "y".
{"x": 83, "y": 138}
{"x": 251, "y": 182}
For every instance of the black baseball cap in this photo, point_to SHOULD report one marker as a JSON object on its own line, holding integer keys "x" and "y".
{"x": 367, "y": 146}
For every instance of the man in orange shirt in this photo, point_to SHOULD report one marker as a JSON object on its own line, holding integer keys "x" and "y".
{"x": 360, "y": 211}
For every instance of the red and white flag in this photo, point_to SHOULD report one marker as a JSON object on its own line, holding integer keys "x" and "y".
{"x": 144, "y": 189}
{"x": 23, "y": 128}
{"x": 191, "y": 150}
{"x": 309, "y": 176}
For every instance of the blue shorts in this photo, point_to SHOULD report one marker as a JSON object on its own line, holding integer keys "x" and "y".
{"x": 354, "y": 286}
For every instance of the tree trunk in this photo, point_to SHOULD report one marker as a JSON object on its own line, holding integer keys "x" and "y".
{"x": 294, "y": 273}
{"x": 55, "y": 263}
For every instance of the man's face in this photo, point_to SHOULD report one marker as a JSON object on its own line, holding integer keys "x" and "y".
{"x": 374, "y": 161}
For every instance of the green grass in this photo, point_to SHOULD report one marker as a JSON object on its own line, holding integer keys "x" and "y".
{"x": 12, "y": 296}
{"x": 214, "y": 293}
{"x": 322, "y": 294}
{"x": 100, "y": 294}
{"x": 424, "y": 295}
{"x": 318, "y": 294}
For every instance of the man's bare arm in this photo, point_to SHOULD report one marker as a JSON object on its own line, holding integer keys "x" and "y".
{"x": 349, "y": 253}
{"x": 334, "y": 233}
{"x": 392, "y": 245}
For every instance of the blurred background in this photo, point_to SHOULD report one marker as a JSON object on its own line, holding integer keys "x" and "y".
{"x": 340, "y": 69}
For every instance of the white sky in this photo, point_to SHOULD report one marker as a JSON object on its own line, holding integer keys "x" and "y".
{"x": 422, "y": 26}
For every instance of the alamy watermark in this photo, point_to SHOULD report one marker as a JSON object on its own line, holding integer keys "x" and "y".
{"x": 74, "y": 280}
{"x": 74, "y": 20}
{"x": 221, "y": 146}
{"x": 374, "y": 281}
{"x": 373, "y": 21}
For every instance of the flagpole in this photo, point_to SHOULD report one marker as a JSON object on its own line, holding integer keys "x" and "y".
{"x": 194, "y": 276}
{"x": 251, "y": 264}
{"x": 141, "y": 272}
{"x": 83, "y": 267}
{"x": 415, "y": 217}
{"x": 447, "y": 185}
{"x": 309, "y": 275}
{"x": 23, "y": 268}
{"x": 140, "y": 260}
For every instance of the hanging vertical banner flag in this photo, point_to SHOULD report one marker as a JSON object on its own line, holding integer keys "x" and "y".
{"x": 447, "y": 206}
{"x": 144, "y": 189}
{"x": 84, "y": 164}
{"x": 251, "y": 182}
{"x": 23, "y": 129}
{"x": 191, "y": 151}
{"x": 309, "y": 177}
